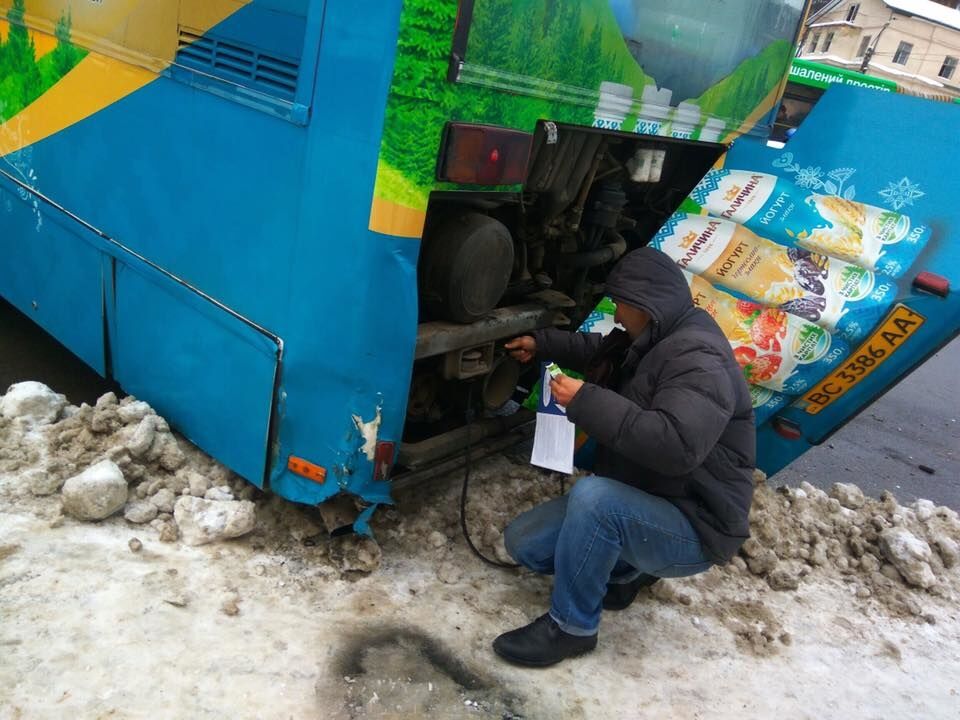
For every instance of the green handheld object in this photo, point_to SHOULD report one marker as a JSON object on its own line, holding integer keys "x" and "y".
{"x": 554, "y": 370}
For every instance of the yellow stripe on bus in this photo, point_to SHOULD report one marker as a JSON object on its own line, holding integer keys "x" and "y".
{"x": 390, "y": 218}
{"x": 96, "y": 82}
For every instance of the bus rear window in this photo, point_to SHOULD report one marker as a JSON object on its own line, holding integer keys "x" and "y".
{"x": 650, "y": 66}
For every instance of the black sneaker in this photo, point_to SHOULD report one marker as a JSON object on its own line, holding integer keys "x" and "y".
{"x": 541, "y": 643}
{"x": 620, "y": 595}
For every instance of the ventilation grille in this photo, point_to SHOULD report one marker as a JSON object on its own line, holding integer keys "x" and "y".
{"x": 240, "y": 64}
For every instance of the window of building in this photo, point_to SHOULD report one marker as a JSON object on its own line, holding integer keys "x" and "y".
{"x": 852, "y": 12}
{"x": 948, "y": 67}
{"x": 864, "y": 44}
{"x": 902, "y": 54}
{"x": 813, "y": 43}
{"x": 827, "y": 41}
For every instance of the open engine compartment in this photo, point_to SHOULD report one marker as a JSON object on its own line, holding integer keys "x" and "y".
{"x": 495, "y": 265}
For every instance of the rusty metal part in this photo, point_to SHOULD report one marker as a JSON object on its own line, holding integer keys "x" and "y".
{"x": 500, "y": 384}
{"x": 541, "y": 309}
{"x": 451, "y": 464}
{"x": 468, "y": 362}
{"x": 438, "y": 447}
{"x": 577, "y": 211}
{"x": 425, "y": 390}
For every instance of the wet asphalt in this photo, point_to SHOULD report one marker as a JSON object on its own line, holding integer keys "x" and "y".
{"x": 908, "y": 441}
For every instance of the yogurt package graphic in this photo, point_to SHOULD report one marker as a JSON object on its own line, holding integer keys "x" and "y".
{"x": 776, "y": 350}
{"x": 877, "y": 239}
{"x": 833, "y": 294}
{"x": 766, "y": 403}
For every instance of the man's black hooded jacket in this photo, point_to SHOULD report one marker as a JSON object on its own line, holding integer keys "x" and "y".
{"x": 670, "y": 411}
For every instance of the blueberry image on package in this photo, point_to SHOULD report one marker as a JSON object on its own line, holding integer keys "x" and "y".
{"x": 836, "y": 295}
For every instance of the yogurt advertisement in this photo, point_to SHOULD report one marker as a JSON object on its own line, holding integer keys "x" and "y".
{"x": 875, "y": 238}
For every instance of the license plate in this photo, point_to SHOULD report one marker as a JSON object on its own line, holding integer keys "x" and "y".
{"x": 899, "y": 325}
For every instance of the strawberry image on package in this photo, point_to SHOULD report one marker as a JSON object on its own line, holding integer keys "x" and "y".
{"x": 776, "y": 350}
{"x": 836, "y": 295}
{"x": 881, "y": 240}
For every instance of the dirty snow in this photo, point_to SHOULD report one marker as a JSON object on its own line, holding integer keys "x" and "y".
{"x": 817, "y": 617}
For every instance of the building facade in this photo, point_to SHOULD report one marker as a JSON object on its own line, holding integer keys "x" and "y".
{"x": 915, "y": 43}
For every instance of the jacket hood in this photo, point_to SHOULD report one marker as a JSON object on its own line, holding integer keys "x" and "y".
{"x": 649, "y": 280}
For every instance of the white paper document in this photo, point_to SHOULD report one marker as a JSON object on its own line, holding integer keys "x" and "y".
{"x": 554, "y": 438}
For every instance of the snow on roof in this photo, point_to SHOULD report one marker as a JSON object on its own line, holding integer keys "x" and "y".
{"x": 828, "y": 59}
{"x": 844, "y": 62}
{"x": 901, "y": 73}
{"x": 925, "y": 9}
{"x": 928, "y": 10}
{"x": 833, "y": 23}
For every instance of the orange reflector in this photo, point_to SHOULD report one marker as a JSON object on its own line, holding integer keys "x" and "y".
{"x": 306, "y": 469}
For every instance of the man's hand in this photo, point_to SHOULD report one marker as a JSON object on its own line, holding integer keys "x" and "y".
{"x": 522, "y": 348}
{"x": 564, "y": 388}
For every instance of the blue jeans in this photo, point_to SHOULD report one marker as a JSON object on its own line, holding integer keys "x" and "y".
{"x": 602, "y": 531}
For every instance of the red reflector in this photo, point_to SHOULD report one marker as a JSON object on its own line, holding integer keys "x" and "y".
{"x": 787, "y": 429}
{"x": 932, "y": 283}
{"x": 484, "y": 155}
{"x": 383, "y": 460}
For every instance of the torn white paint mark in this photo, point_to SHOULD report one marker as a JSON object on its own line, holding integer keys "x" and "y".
{"x": 369, "y": 430}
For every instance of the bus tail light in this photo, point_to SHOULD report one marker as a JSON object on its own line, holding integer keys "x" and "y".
{"x": 787, "y": 428}
{"x": 483, "y": 155}
{"x": 932, "y": 283}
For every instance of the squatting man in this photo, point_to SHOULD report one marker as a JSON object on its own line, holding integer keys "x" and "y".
{"x": 670, "y": 412}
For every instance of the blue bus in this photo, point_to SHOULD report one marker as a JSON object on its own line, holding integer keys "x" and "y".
{"x": 303, "y": 229}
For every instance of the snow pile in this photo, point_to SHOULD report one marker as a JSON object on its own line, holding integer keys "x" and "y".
{"x": 499, "y": 490}
{"x": 801, "y": 539}
{"x": 32, "y": 403}
{"x": 833, "y": 588}
{"x": 96, "y": 493}
{"x": 120, "y": 456}
{"x": 893, "y": 554}
{"x": 879, "y": 547}
{"x": 202, "y": 521}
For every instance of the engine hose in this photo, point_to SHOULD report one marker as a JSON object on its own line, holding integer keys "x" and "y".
{"x": 463, "y": 492}
{"x": 593, "y": 258}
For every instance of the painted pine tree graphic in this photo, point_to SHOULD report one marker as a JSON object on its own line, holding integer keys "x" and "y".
{"x": 24, "y": 77}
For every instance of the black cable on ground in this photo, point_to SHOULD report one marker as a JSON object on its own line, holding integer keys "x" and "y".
{"x": 463, "y": 493}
